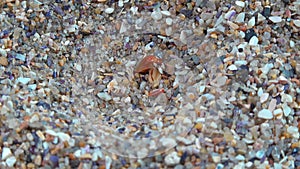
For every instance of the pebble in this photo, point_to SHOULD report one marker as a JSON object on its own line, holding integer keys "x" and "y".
{"x": 109, "y": 10}
{"x": 294, "y": 131}
{"x": 286, "y": 98}
{"x": 265, "y": 114}
{"x": 104, "y": 96}
{"x": 3, "y": 53}
{"x": 253, "y": 41}
{"x": 260, "y": 18}
{"x": 260, "y": 154}
{"x": 216, "y": 157}
{"x": 50, "y": 132}
{"x": 249, "y": 34}
{"x": 275, "y": 19}
{"x": 108, "y": 162}
{"x": 202, "y": 89}
{"x": 232, "y": 67}
{"x": 156, "y": 15}
{"x": 63, "y": 136}
{"x": 38, "y": 160}
{"x": 189, "y": 140}
{"x": 6, "y": 152}
{"x": 229, "y": 14}
{"x": 278, "y": 113}
{"x": 286, "y": 110}
{"x": 297, "y": 22}
{"x": 168, "y": 142}
{"x": 240, "y": 3}
{"x": 251, "y": 22}
{"x": 221, "y": 81}
{"x": 264, "y": 97}
{"x": 21, "y": 57}
{"x": 23, "y": 80}
{"x": 10, "y": 161}
{"x": 167, "y": 13}
{"x": 232, "y": 25}
{"x": 169, "y": 21}
{"x": 240, "y": 18}
{"x": 240, "y": 157}
{"x": 266, "y": 11}
{"x": 3, "y": 61}
{"x": 172, "y": 159}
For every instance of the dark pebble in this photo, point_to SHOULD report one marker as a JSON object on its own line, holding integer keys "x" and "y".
{"x": 266, "y": 12}
{"x": 121, "y": 130}
{"x": 187, "y": 13}
{"x": 54, "y": 160}
{"x": 44, "y": 105}
{"x": 183, "y": 157}
{"x": 249, "y": 34}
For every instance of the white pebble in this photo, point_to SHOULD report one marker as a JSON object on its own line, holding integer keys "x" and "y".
{"x": 134, "y": 10}
{"x": 240, "y": 157}
{"x": 265, "y": 114}
{"x": 168, "y": 142}
{"x": 240, "y": 18}
{"x": 264, "y": 97}
{"x": 104, "y": 96}
{"x": 167, "y": 13}
{"x": 286, "y": 98}
{"x": 277, "y": 112}
{"x": 183, "y": 37}
{"x": 260, "y": 18}
{"x": 120, "y": 3}
{"x": 50, "y": 132}
{"x": 232, "y": 67}
{"x": 172, "y": 159}
{"x": 3, "y": 52}
{"x": 242, "y": 34}
{"x": 63, "y": 136}
{"x": 216, "y": 158}
{"x": 292, "y": 44}
{"x": 78, "y": 67}
{"x": 251, "y": 22}
{"x": 221, "y": 81}
{"x": 156, "y": 15}
{"x": 286, "y": 110}
{"x": 201, "y": 89}
{"x": 253, "y": 41}
{"x": 267, "y": 68}
{"x": 20, "y": 57}
{"x": 6, "y": 152}
{"x": 240, "y": 3}
{"x": 297, "y": 22}
{"x": 260, "y": 92}
{"x": 240, "y": 62}
{"x": 23, "y": 80}
{"x": 275, "y": 19}
{"x": 294, "y": 131}
{"x": 108, "y": 161}
{"x": 272, "y": 105}
{"x": 10, "y": 161}
{"x": 169, "y": 21}
{"x": 109, "y": 10}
